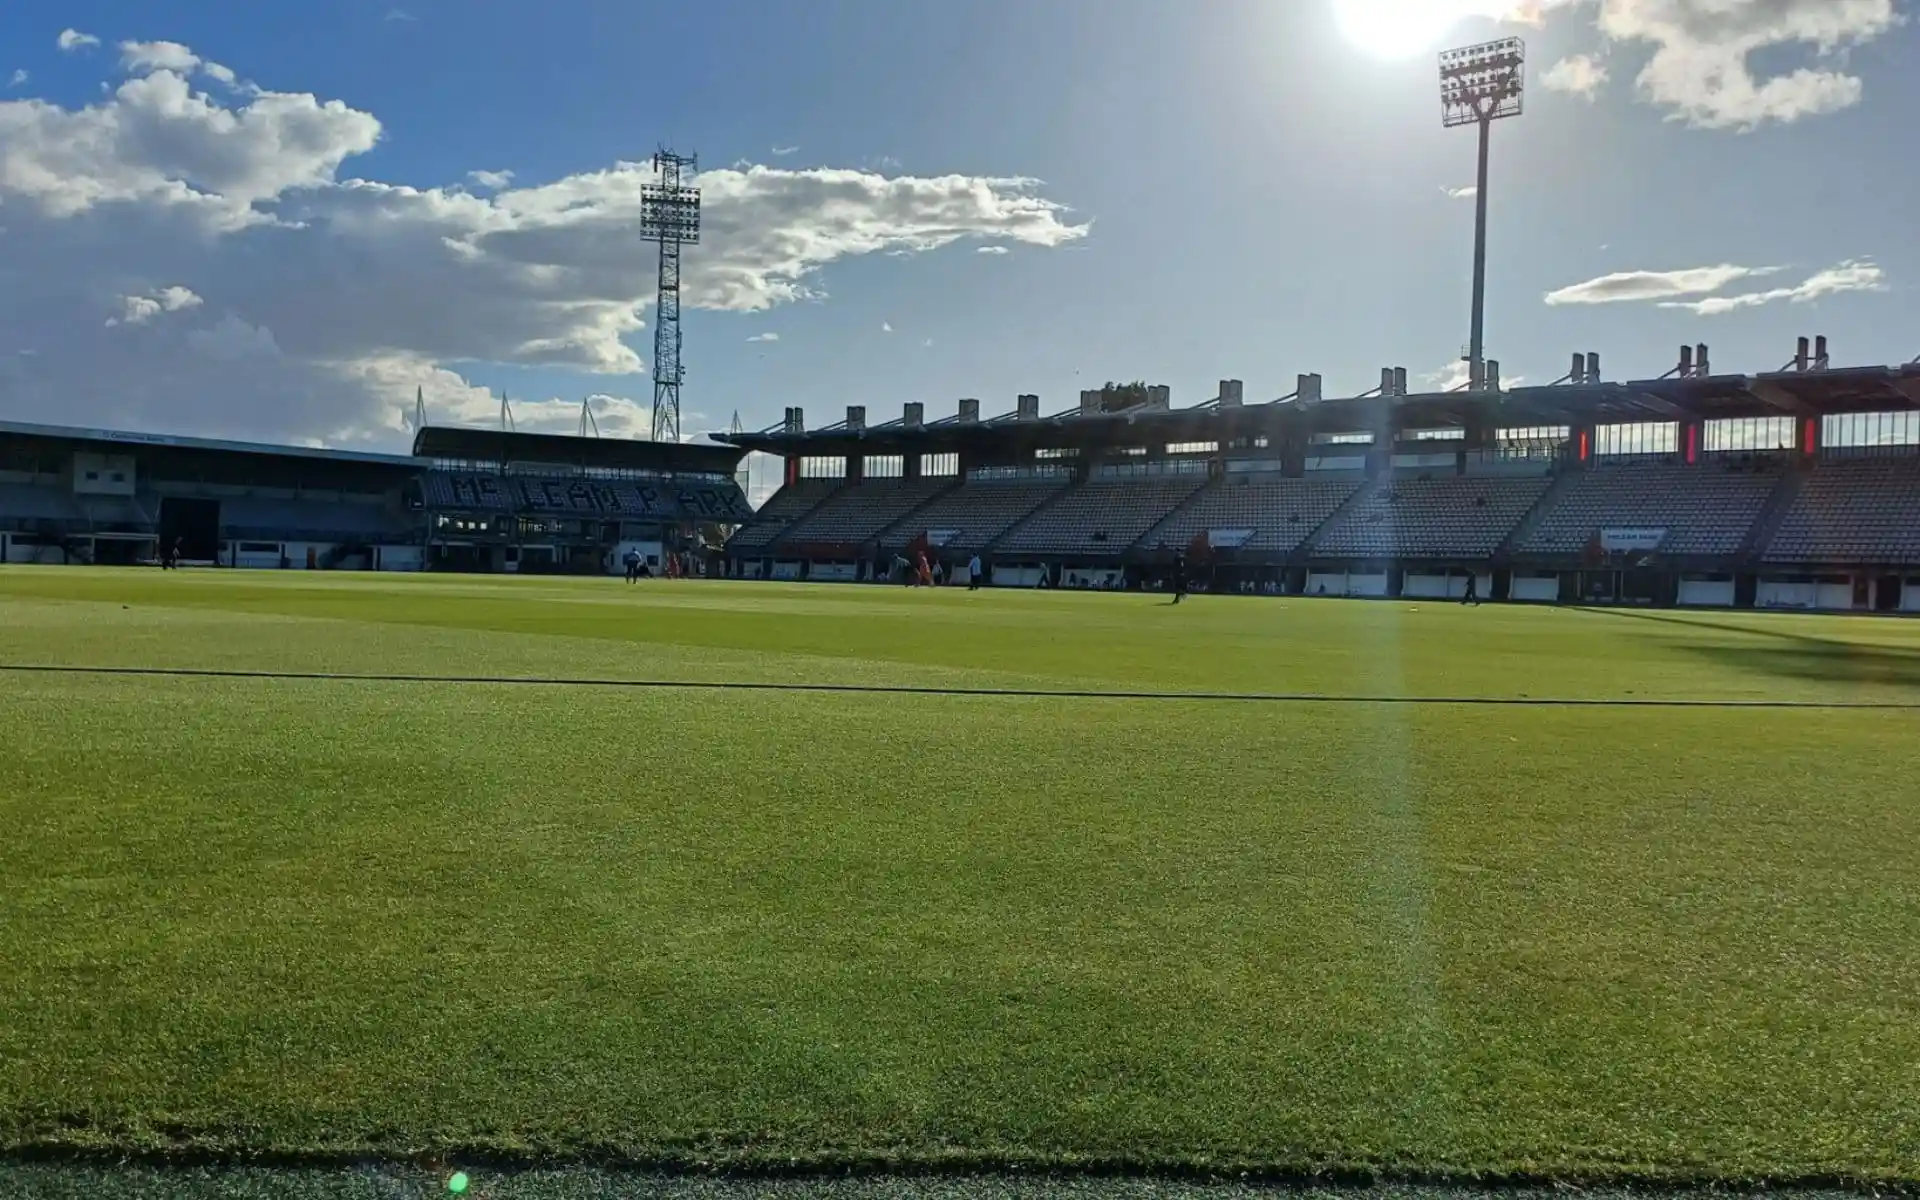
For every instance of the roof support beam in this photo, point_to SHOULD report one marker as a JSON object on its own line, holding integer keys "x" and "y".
{"x": 1769, "y": 392}
{"x": 1662, "y": 405}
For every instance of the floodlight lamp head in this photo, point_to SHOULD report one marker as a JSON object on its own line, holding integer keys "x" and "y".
{"x": 1483, "y": 83}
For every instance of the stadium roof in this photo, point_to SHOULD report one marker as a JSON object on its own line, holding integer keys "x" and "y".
{"x": 624, "y": 454}
{"x": 1720, "y": 397}
{"x": 171, "y": 441}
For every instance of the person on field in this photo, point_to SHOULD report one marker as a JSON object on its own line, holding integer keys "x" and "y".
{"x": 632, "y": 560}
{"x": 1472, "y": 595}
{"x": 973, "y": 573}
{"x": 1179, "y": 576}
{"x": 922, "y": 572}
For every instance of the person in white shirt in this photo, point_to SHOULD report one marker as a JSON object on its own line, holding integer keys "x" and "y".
{"x": 973, "y": 573}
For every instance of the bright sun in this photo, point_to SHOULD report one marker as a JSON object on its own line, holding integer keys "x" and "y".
{"x": 1400, "y": 28}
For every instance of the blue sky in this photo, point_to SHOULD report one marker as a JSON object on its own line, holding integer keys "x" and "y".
{"x": 1235, "y": 188}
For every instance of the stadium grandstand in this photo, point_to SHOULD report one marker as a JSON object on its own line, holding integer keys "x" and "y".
{"x": 464, "y": 500}
{"x": 1794, "y": 489}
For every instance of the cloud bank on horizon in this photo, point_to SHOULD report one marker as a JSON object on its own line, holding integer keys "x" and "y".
{"x": 192, "y": 257}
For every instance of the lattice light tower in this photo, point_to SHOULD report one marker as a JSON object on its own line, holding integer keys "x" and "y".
{"x": 1478, "y": 86}
{"x": 669, "y": 215}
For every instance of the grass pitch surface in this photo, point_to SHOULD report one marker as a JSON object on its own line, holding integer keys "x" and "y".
{"x": 303, "y": 916}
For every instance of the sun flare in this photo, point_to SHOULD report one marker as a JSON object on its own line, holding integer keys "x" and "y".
{"x": 1403, "y": 28}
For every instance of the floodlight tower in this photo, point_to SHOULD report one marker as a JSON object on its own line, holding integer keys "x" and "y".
{"x": 670, "y": 216}
{"x": 1478, "y": 86}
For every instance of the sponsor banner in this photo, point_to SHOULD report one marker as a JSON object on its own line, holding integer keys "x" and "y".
{"x": 1625, "y": 541}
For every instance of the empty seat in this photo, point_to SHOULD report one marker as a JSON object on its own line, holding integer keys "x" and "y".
{"x": 1706, "y": 510}
{"x": 1450, "y": 517}
{"x": 785, "y": 507}
{"x": 974, "y": 514}
{"x": 1282, "y": 513}
{"x": 1104, "y": 516}
{"x": 856, "y": 514}
{"x": 1863, "y": 510}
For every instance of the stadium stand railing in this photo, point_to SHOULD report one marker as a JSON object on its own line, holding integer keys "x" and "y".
{"x": 1099, "y": 518}
{"x": 1852, "y": 511}
{"x": 1706, "y": 510}
{"x": 1430, "y": 518}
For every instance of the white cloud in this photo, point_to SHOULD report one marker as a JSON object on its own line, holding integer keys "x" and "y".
{"x": 400, "y": 14}
{"x": 19, "y": 77}
{"x": 138, "y": 310}
{"x": 1455, "y": 375}
{"x": 1461, "y": 193}
{"x": 992, "y": 250}
{"x": 764, "y": 337}
{"x": 1450, "y": 378}
{"x": 1702, "y": 67}
{"x": 1850, "y": 276}
{"x": 491, "y": 180}
{"x": 1633, "y": 286}
{"x": 1578, "y": 75}
{"x": 886, "y": 327}
{"x": 72, "y": 39}
{"x": 783, "y": 151}
{"x": 219, "y": 74}
{"x": 141, "y": 57}
{"x": 330, "y": 298}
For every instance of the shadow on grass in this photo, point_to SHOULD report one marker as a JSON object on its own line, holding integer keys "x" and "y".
{"x": 1787, "y": 654}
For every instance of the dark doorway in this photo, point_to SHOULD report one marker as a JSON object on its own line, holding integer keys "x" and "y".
{"x": 194, "y": 523}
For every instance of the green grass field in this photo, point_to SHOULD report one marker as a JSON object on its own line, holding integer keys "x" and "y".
{"x": 758, "y": 927}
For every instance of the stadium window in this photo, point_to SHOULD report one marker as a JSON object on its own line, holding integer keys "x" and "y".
{"x": 1436, "y": 435}
{"x": 1534, "y": 433}
{"x": 1342, "y": 439}
{"x": 1193, "y": 447}
{"x": 823, "y": 468}
{"x": 1749, "y": 434}
{"x": 1057, "y": 452}
{"x": 1869, "y": 430}
{"x": 885, "y": 466}
{"x": 939, "y": 465}
{"x": 1652, "y": 437}
{"x": 1132, "y": 451}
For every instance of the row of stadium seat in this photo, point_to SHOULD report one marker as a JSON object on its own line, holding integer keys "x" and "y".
{"x": 1432, "y": 518}
{"x": 1281, "y": 513}
{"x": 609, "y": 499}
{"x": 1847, "y": 511}
{"x": 1705, "y": 510}
{"x": 1104, "y": 516}
{"x": 1853, "y": 510}
{"x": 857, "y": 515}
